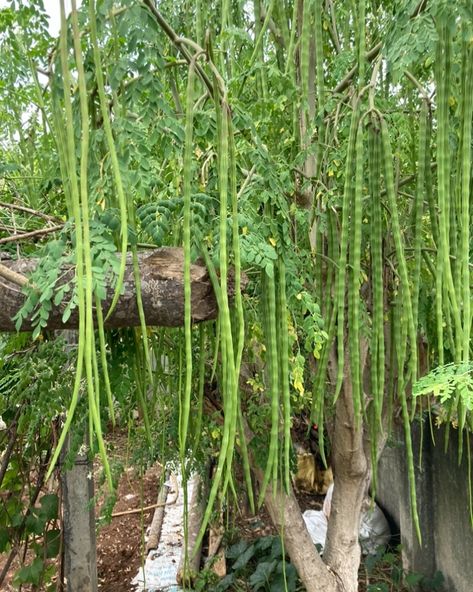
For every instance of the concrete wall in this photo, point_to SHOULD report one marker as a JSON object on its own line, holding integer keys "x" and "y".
{"x": 442, "y": 493}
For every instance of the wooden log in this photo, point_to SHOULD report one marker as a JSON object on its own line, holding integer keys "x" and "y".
{"x": 189, "y": 564}
{"x": 158, "y": 517}
{"x": 216, "y": 553}
{"x": 162, "y": 288}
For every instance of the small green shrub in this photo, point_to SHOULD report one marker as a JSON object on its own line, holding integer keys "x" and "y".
{"x": 384, "y": 573}
{"x": 259, "y": 565}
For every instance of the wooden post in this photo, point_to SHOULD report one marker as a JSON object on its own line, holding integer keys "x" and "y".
{"x": 78, "y": 515}
{"x": 80, "y": 558}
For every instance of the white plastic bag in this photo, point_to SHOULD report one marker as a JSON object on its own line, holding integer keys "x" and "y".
{"x": 374, "y": 528}
{"x": 316, "y": 523}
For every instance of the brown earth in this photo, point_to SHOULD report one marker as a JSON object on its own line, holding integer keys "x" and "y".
{"x": 120, "y": 544}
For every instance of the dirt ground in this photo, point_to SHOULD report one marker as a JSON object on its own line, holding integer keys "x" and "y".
{"x": 121, "y": 543}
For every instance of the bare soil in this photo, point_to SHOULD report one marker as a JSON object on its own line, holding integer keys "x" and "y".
{"x": 121, "y": 544}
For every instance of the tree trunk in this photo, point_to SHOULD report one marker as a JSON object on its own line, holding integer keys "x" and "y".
{"x": 162, "y": 288}
{"x": 287, "y": 518}
{"x": 352, "y": 473}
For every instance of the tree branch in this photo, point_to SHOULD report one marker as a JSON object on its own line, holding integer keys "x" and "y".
{"x": 11, "y": 206}
{"x": 13, "y": 276}
{"x": 19, "y": 237}
{"x": 370, "y": 56}
{"x": 177, "y": 41}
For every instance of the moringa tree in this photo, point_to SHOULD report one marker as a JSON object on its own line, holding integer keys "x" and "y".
{"x": 325, "y": 150}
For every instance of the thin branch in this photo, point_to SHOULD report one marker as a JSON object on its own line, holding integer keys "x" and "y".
{"x": 370, "y": 56}
{"x": 246, "y": 182}
{"x": 408, "y": 179}
{"x": 11, "y": 206}
{"x": 418, "y": 85}
{"x": 333, "y": 27}
{"x": 166, "y": 27}
{"x": 153, "y": 506}
{"x": 372, "y": 53}
{"x": 145, "y": 509}
{"x": 278, "y": 37}
{"x": 9, "y": 288}
{"x": 374, "y": 77}
{"x": 14, "y": 229}
{"x": 33, "y": 233}
{"x": 13, "y": 276}
{"x": 419, "y": 8}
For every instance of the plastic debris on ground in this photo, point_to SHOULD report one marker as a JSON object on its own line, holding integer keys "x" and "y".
{"x": 374, "y": 528}
{"x": 161, "y": 565}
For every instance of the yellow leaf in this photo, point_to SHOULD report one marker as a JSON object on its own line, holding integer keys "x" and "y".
{"x": 299, "y": 386}
{"x": 298, "y": 379}
{"x": 272, "y": 241}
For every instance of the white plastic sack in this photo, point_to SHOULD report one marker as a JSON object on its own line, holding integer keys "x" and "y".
{"x": 374, "y": 529}
{"x": 316, "y": 523}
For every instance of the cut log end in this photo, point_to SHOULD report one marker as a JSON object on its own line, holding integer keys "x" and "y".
{"x": 162, "y": 290}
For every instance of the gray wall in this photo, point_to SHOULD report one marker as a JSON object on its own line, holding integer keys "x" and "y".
{"x": 442, "y": 494}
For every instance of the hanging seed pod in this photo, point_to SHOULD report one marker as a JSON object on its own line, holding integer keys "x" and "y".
{"x": 377, "y": 333}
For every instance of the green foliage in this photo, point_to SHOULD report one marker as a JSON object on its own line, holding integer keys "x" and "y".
{"x": 448, "y": 383}
{"x": 384, "y": 573}
{"x": 270, "y": 136}
{"x": 418, "y": 35}
{"x": 161, "y": 221}
{"x": 35, "y": 385}
{"x": 259, "y": 565}
{"x": 53, "y": 284}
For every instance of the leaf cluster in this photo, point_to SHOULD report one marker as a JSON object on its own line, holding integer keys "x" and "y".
{"x": 447, "y": 383}
{"x": 260, "y": 565}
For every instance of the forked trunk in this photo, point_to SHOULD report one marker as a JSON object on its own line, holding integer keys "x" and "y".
{"x": 287, "y": 518}
{"x": 337, "y": 571}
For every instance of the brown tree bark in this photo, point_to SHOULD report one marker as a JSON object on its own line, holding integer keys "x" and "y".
{"x": 285, "y": 513}
{"x": 162, "y": 288}
{"x": 315, "y": 573}
{"x": 352, "y": 471}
